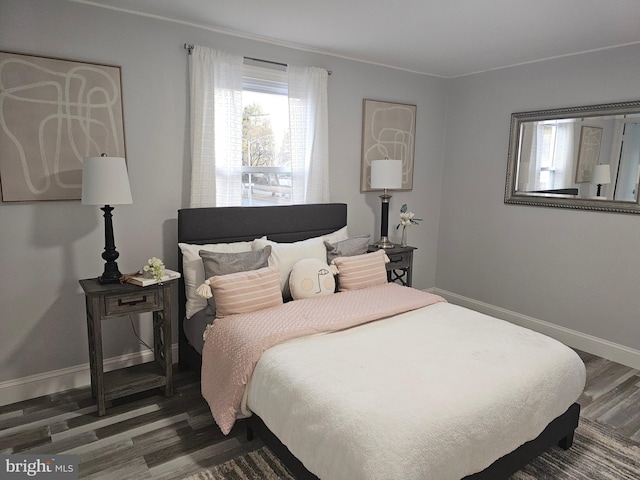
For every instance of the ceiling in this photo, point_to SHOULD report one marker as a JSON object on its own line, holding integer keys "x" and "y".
{"x": 446, "y": 38}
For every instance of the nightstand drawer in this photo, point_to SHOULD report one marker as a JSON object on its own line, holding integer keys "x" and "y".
{"x": 146, "y": 300}
{"x": 399, "y": 260}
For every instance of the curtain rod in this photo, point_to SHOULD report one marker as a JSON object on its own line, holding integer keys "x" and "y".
{"x": 189, "y": 48}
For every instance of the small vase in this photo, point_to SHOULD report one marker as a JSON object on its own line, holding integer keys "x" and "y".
{"x": 403, "y": 242}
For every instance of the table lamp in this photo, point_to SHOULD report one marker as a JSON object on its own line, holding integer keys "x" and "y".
{"x": 601, "y": 176}
{"x": 386, "y": 175}
{"x": 105, "y": 182}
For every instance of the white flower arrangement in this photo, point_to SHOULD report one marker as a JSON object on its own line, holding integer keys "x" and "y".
{"x": 407, "y": 218}
{"x": 155, "y": 268}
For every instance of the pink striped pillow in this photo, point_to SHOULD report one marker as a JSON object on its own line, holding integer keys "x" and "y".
{"x": 361, "y": 271}
{"x": 244, "y": 292}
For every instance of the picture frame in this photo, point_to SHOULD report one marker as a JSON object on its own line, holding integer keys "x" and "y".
{"x": 388, "y": 131}
{"x": 54, "y": 113}
{"x": 588, "y": 153}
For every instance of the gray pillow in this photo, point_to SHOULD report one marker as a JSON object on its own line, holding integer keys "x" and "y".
{"x": 216, "y": 263}
{"x": 347, "y": 248}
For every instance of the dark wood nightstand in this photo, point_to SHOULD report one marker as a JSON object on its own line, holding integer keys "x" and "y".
{"x": 116, "y": 300}
{"x": 400, "y": 267}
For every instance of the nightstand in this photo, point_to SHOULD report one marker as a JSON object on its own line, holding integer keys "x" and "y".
{"x": 116, "y": 300}
{"x": 400, "y": 266}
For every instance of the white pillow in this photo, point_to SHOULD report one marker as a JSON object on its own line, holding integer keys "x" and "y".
{"x": 193, "y": 269}
{"x": 337, "y": 236}
{"x": 311, "y": 278}
{"x": 286, "y": 255}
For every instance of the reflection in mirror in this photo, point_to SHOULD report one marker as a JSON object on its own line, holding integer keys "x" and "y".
{"x": 583, "y": 157}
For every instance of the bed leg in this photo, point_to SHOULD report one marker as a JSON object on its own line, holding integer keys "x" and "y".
{"x": 250, "y": 434}
{"x": 566, "y": 442}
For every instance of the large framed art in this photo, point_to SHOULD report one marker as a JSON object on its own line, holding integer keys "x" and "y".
{"x": 388, "y": 131}
{"x": 53, "y": 114}
{"x": 588, "y": 153}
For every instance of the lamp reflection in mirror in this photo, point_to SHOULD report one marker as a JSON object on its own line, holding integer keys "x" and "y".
{"x": 385, "y": 175}
{"x": 601, "y": 176}
{"x": 105, "y": 182}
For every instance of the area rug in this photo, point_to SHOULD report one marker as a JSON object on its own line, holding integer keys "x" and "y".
{"x": 261, "y": 464}
{"x": 597, "y": 454}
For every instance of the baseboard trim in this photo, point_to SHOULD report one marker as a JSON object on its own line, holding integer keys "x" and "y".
{"x": 581, "y": 341}
{"x": 56, "y": 381}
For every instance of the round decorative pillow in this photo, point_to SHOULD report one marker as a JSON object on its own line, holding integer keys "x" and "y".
{"x": 311, "y": 277}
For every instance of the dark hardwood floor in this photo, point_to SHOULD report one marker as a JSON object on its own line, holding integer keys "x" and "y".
{"x": 151, "y": 436}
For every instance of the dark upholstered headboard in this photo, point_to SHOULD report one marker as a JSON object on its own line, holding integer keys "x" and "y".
{"x": 286, "y": 223}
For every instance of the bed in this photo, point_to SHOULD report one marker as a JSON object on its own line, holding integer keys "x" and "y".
{"x": 272, "y": 392}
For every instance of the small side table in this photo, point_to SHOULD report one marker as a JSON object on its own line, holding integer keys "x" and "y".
{"x": 116, "y": 300}
{"x": 400, "y": 266}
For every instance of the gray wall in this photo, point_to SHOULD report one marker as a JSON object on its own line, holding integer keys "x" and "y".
{"x": 575, "y": 269}
{"x": 45, "y": 247}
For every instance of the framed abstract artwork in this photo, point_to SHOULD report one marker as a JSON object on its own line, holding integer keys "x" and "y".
{"x": 588, "y": 153}
{"x": 53, "y": 114}
{"x": 388, "y": 131}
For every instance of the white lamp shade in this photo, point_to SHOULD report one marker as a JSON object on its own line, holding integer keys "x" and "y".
{"x": 601, "y": 175}
{"x": 386, "y": 174}
{"x": 105, "y": 181}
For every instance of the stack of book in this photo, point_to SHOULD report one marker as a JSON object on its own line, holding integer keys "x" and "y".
{"x": 144, "y": 281}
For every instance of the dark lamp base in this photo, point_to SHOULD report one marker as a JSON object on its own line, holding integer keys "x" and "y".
{"x": 384, "y": 223}
{"x": 111, "y": 273}
{"x": 109, "y": 278}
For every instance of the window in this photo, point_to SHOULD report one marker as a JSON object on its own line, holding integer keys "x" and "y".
{"x": 547, "y": 156}
{"x": 266, "y": 146}
{"x": 272, "y": 173}
{"x": 554, "y": 154}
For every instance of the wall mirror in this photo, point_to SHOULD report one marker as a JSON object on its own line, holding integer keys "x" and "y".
{"x": 581, "y": 157}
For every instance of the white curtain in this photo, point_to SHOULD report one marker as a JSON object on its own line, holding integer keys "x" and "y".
{"x": 309, "y": 128}
{"x": 216, "y": 128}
{"x": 528, "y": 170}
{"x": 563, "y": 155}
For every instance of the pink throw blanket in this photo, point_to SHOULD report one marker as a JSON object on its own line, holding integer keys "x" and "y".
{"x": 234, "y": 344}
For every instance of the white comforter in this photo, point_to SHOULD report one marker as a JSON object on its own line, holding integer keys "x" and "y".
{"x": 436, "y": 393}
